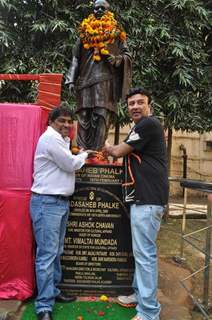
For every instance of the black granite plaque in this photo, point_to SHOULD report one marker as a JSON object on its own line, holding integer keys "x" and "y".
{"x": 97, "y": 252}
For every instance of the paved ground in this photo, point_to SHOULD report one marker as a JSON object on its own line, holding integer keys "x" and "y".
{"x": 10, "y": 309}
{"x": 175, "y": 302}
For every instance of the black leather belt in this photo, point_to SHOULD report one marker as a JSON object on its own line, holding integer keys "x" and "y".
{"x": 58, "y": 196}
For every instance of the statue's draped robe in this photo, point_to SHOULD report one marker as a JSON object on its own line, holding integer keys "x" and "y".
{"x": 99, "y": 86}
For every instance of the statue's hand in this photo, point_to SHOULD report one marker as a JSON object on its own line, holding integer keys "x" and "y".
{"x": 114, "y": 60}
{"x": 71, "y": 89}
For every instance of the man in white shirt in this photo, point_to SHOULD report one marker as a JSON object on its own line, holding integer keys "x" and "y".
{"x": 54, "y": 182}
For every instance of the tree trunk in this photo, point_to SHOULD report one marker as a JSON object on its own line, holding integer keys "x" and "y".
{"x": 117, "y": 132}
{"x": 116, "y": 137}
{"x": 169, "y": 150}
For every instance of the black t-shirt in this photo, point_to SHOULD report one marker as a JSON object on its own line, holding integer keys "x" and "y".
{"x": 146, "y": 178}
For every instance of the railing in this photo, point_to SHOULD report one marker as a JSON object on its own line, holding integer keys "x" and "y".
{"x": 203, "y": 305}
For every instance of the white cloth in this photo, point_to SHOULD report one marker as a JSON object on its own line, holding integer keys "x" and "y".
{"x": 55, "y": 165}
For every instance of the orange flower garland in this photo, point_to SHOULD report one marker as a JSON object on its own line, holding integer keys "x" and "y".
{"x": 98, "y": 33}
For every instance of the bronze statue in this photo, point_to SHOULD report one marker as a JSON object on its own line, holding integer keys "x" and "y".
{"x": 100, "y": 75}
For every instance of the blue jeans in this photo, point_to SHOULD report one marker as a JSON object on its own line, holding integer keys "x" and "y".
{"x": 49, "y": 217}
{"x": 145, "y": 224}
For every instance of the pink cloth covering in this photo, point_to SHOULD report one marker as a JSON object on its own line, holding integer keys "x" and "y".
{"x": 16, "y": 246}
{"x": 20, "y": 127}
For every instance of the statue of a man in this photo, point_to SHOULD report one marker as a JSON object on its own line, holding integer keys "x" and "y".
{"x": 100, "y": 75}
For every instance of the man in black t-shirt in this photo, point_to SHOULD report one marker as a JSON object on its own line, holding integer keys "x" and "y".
{"x": 146, "y": 190}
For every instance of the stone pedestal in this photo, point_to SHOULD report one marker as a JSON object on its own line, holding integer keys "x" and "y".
{"x": 97, "y": 253}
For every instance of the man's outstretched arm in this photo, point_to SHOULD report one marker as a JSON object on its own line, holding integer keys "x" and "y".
{"x": 118, "y": 150}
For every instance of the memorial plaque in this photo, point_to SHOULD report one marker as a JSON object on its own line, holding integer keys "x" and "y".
{"x": 97, "y": 252}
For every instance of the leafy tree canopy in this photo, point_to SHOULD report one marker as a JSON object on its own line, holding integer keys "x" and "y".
{"x": 169, "y": 41}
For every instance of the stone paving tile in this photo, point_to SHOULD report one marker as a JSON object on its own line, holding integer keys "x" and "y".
{"x": 9, "y": 309}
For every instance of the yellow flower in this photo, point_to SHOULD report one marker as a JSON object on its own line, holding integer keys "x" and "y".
{"x": 85, "y": 21}
{"x": 103, "y": 298}
{"x": 90, "y": 30}
{"x": 86, "y": 46}
{"x": 104, "y": 51}
{"x": 123, "y": 36}
{"x": 96, "y": 57}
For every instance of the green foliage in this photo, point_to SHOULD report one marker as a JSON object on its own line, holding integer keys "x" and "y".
{"x": 169, "y": 41}
{"x": 169, "y": 44}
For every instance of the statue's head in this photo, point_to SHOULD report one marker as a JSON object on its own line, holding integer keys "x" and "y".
{"x": 100, "y": 7}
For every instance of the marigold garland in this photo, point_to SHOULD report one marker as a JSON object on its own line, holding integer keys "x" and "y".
{"x": 98, "y": 33}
